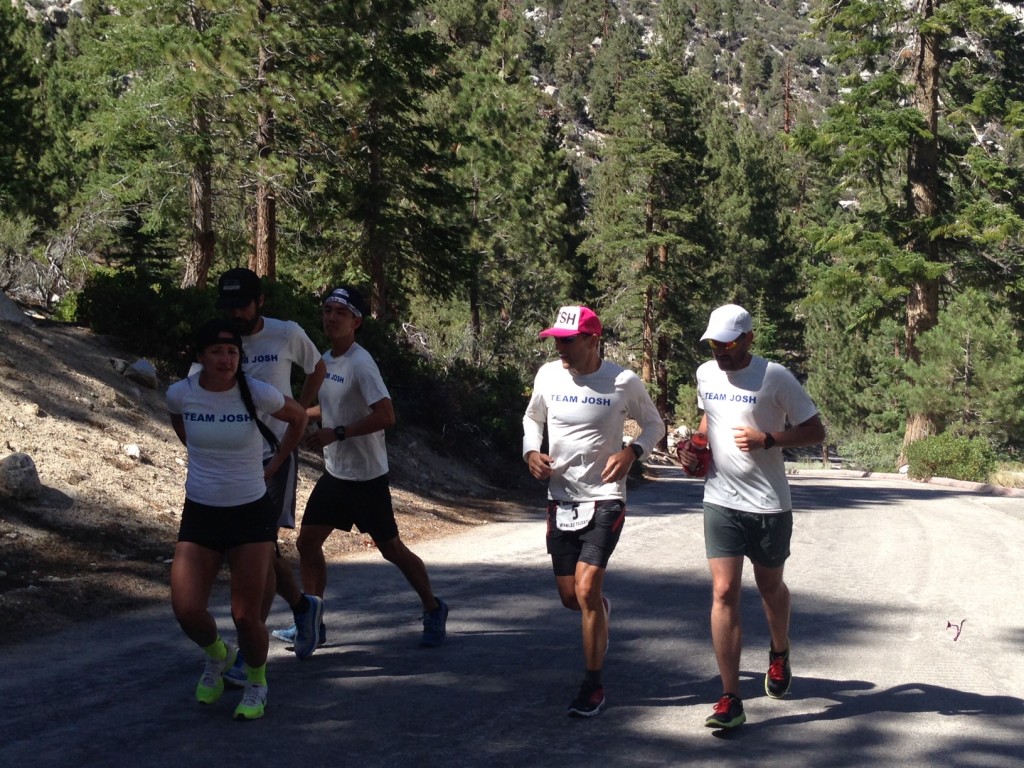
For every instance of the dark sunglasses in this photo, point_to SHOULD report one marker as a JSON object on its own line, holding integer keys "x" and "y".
{"x": 727, "y": 346}
{"x": 569, "y": 339}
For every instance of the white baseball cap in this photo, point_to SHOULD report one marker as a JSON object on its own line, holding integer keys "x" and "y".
{"x": 727, "y": 323}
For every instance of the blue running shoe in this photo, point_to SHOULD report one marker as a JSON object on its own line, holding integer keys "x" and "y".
{"x": 434, "y": 625}
{"x": 235, "y": 677}
{"x": 307, "y": 625}
{"x": 287, "y": 634}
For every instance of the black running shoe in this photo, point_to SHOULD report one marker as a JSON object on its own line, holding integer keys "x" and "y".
{"x": 776, "y": 682}
{"x": 588, "y": 702}
{"x": 728, "y": 713}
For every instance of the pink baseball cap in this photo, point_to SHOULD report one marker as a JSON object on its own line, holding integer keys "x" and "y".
{"x": 572, "y": 321}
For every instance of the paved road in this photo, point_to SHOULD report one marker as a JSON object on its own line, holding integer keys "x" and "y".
{"x": 879, "y": 569}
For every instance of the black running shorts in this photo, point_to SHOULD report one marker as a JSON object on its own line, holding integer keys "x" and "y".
{"x": 592, "y": 545}
{"x": 221, "y": 528}
{"x": 281, "y": 488}
{"x": 341, "y": 504}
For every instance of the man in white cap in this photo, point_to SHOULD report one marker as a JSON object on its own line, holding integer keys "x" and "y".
{"x": 584, "y": 402}
{"x": 753, "y": 409}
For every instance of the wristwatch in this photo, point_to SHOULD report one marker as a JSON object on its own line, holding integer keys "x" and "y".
{"x": 637, "y": 450}
{"x": 769, "y": 441}
{"x": 339, "y": 432}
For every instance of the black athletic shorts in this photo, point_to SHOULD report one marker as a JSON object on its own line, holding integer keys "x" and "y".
{"x": 763, "y": 538}
{"x": 281, "y": 488}
{"x": 221, "y": 528}
{"x": 593, "y": 544}
{"x": 344, "y": 503}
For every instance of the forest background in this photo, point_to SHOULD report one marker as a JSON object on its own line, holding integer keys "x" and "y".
{"x": 850, "y": 171}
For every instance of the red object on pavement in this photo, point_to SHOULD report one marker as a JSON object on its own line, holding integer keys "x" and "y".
{"x": 697, "y": 444}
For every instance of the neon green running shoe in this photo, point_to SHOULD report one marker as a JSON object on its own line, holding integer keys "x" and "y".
{"x": 211, "y": 684}
{"x": 253, "y": 704}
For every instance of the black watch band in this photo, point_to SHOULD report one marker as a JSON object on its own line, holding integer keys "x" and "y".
{"x": 637, "y": 450}
{"x": 339, "y": 432}
{"x": 769, "y": 441}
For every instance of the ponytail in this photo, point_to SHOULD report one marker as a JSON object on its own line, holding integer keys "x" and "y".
{"x": 250, "y": 406}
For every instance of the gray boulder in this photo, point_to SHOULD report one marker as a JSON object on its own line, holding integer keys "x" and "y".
{"x": 18, "y": 477}
{"x": 11, "y": 312}
{"x": 142, "y": 372}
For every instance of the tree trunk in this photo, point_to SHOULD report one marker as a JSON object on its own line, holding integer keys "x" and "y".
{"x": 263, "y": 260}
{"x": 375, "y": 251}
{"x": 661, "y": 375}
{"x": 200, "y": 197}
{"x": 200, "y": 188}
{"x": 922, "y": 206}
{"x": 647, "y": 344}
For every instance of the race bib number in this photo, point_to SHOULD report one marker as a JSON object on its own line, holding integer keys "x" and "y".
{"x": 572, "y": 517}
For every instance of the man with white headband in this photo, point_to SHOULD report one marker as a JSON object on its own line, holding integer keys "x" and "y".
{"x": 355, "y": 409}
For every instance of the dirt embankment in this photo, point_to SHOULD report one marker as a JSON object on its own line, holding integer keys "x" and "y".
{"x": 100, "y": 536}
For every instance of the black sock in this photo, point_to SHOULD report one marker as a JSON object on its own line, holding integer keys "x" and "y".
{"x": 593, "y": 677}
{"x": 302, "y": 606}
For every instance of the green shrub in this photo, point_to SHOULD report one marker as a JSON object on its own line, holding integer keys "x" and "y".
{"x": 66, "y": 309}
{"x": 947, "y": 455}
{"x": 872, "y": 451}
{"x": 147, "y": 312}
{"x": 686, "y": 407}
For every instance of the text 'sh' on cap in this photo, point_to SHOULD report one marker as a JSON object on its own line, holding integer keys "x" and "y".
{"x": 727, "y": 323}
{"x": 572, "y": 321}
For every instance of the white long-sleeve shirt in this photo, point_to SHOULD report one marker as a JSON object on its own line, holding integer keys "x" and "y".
{"x": 585, "y": 415}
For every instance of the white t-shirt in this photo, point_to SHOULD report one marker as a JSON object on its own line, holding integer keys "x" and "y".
{"x": 764, "y": 395}
{"x": 353, "y": 383}
{"x": 585, "y": 417}
{"x": 269, "y": 355}
{"x": 225, "y": 447}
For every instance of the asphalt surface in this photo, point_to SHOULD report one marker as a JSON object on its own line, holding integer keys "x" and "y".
{"x": 908, "y": 643}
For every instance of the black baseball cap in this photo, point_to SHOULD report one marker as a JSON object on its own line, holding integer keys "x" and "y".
{"x": 216, "y": 331}
{"x": 237, "y": 287}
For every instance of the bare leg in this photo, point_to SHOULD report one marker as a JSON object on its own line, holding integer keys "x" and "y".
{"x": 589, "y": 580}
{"x": 776, "y": 601}
{"x": 726, "y": 630}
{"x": 312, "y": 564}
{"x": 193, "y": 573}
{"x": 415, "y": 572}
{"x": 250, "y": 563}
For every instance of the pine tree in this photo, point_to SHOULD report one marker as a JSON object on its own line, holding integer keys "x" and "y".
{"x": 646, "y": 229}
{"x": 921, "y": 147}
{"x": 512, "y": 171}
{"x": 20, "y": 144}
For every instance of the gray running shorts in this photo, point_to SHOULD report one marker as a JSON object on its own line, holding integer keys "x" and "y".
{"x": 764, "y": 538}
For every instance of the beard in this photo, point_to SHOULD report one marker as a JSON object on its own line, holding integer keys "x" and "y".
{"x": 244, "y": 327}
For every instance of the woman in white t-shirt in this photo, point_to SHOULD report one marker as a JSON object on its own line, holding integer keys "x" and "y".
{"x": 227, "y": 513}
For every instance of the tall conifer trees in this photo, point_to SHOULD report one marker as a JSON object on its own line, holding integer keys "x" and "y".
{"x": 921, "y": 147}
